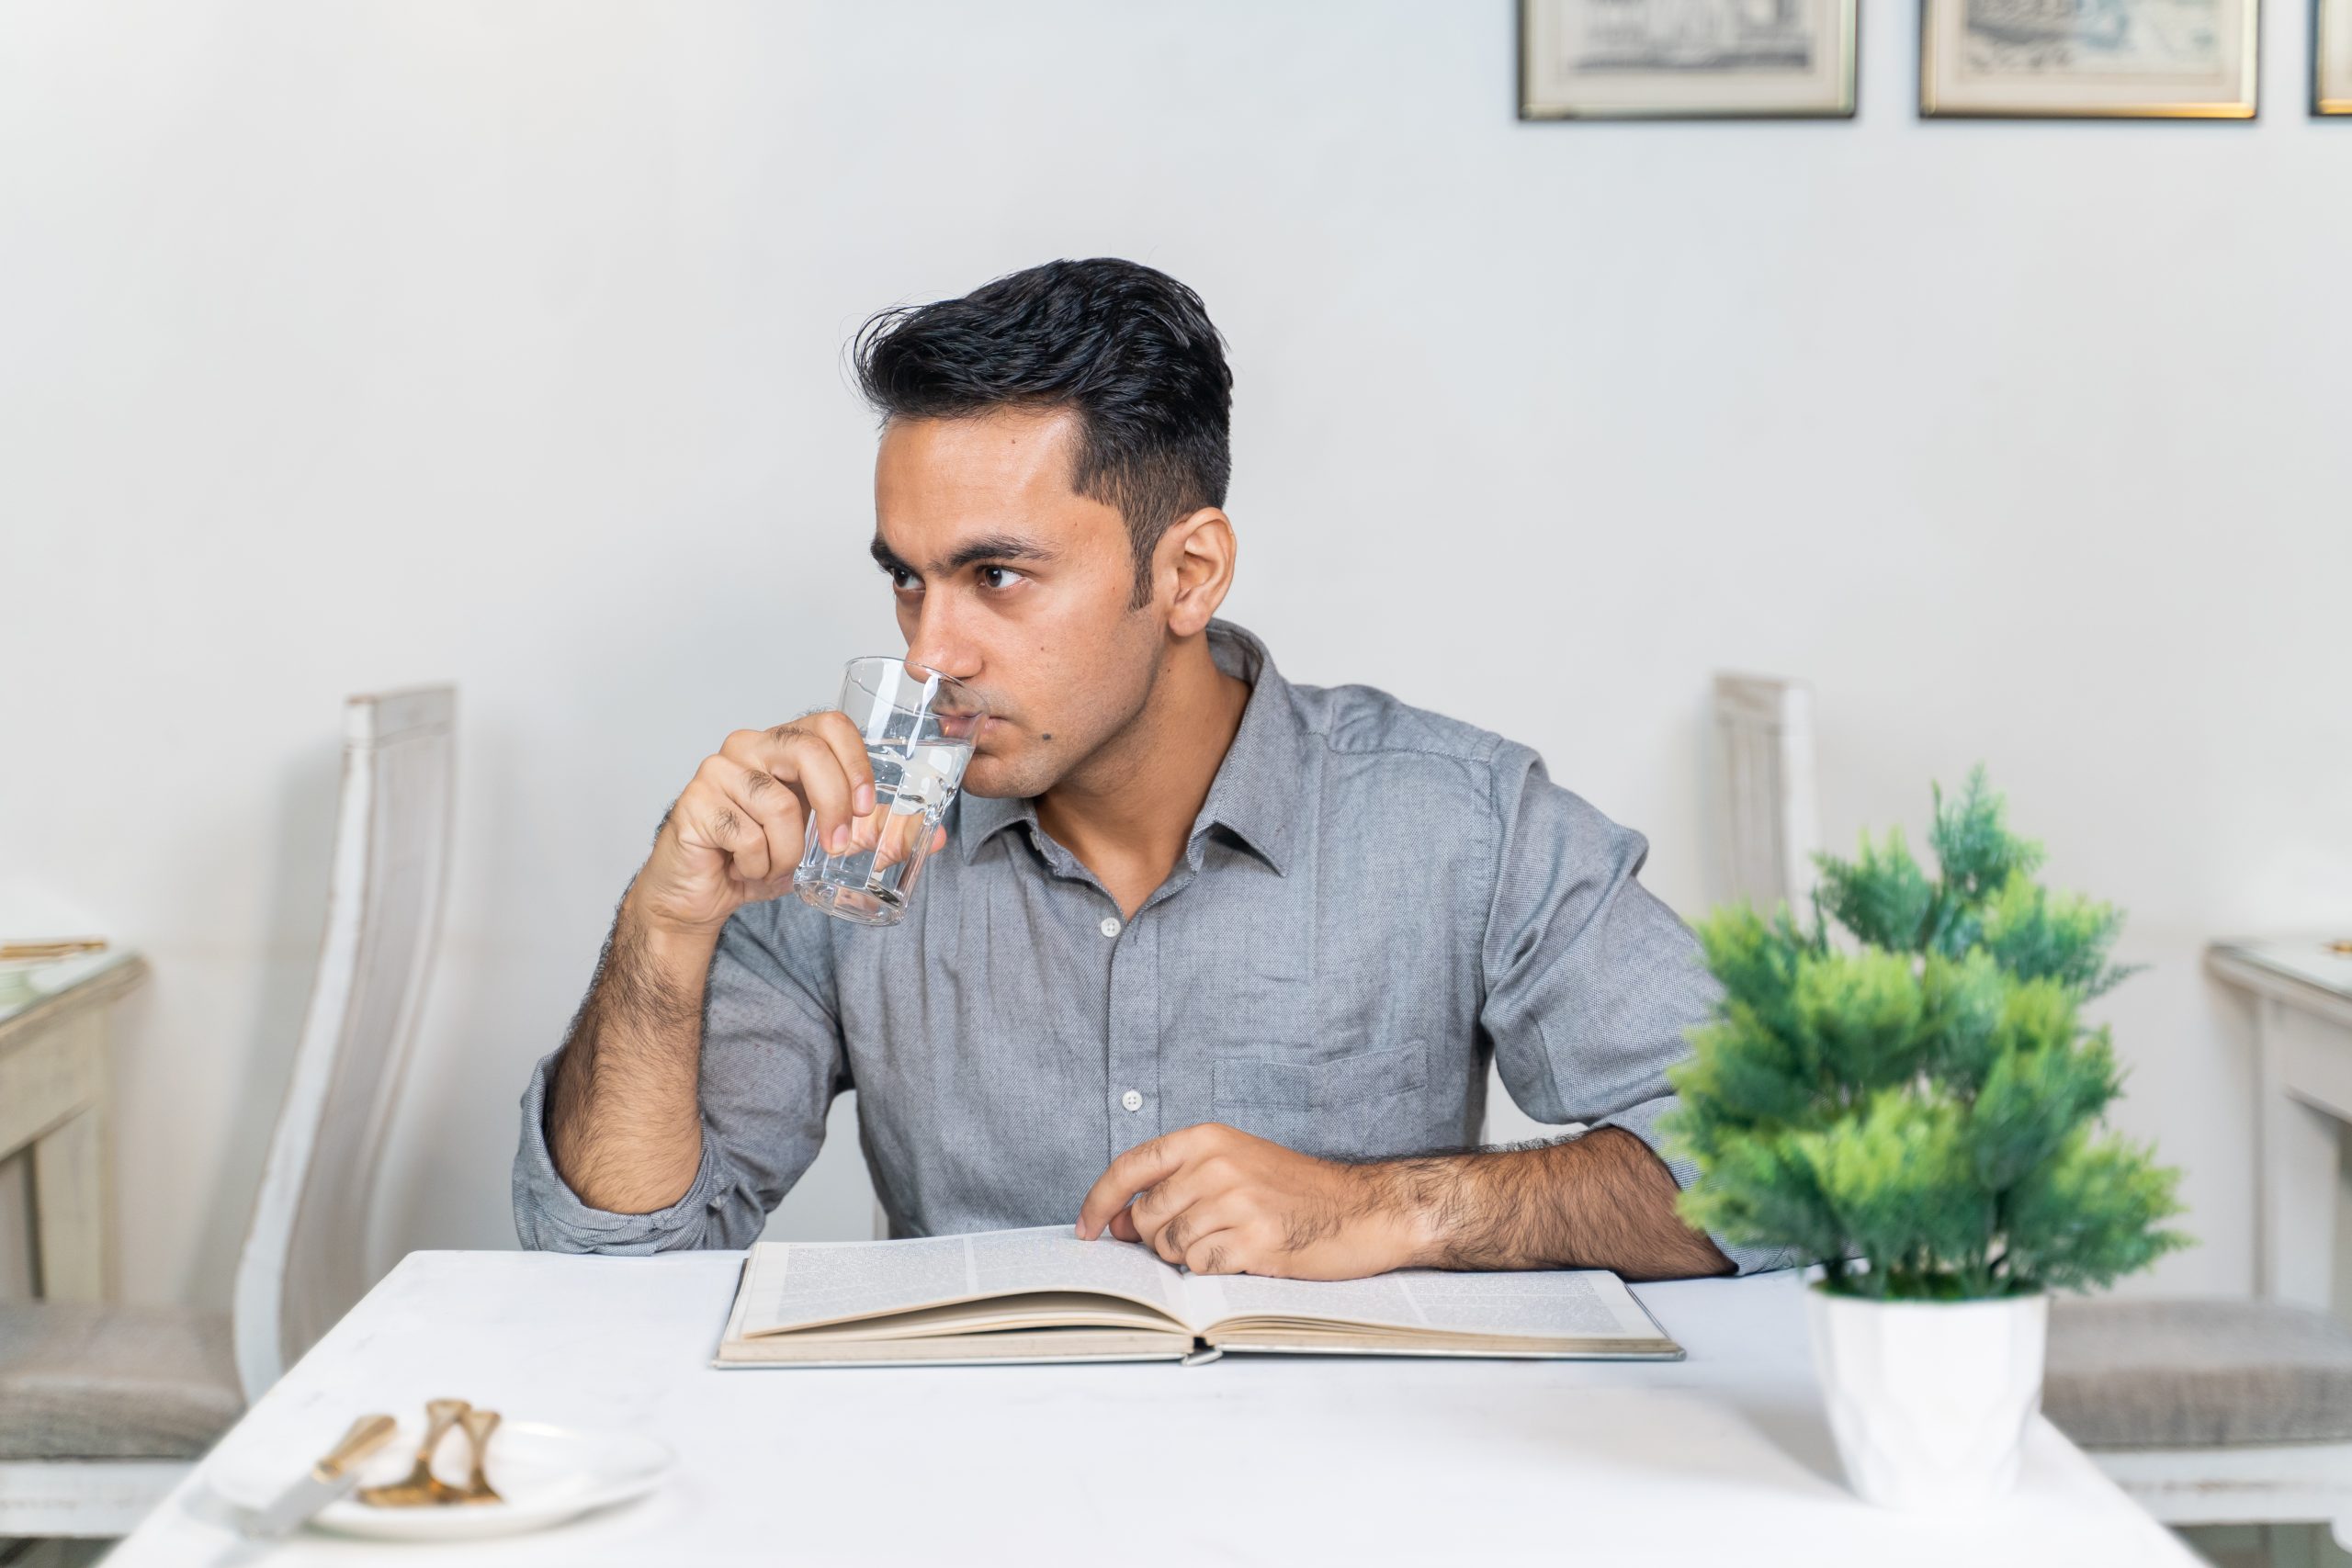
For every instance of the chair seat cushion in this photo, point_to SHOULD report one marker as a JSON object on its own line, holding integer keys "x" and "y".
{"x": 2197, "y": 1374}
{"x": 90, "y": 1381}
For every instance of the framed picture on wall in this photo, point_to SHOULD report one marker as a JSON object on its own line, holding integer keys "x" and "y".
{"x": 2126, "y": 59}
{"x": 1685, "y": 59}
{"x": 2332, "y": 57}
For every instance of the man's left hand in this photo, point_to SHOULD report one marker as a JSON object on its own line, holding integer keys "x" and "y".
{"x": 1218, "y": 1201}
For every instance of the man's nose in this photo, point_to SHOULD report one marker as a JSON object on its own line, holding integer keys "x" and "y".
{"x": 936, "y": 645}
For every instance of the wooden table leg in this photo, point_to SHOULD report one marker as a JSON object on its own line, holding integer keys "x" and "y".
{"x": 69, "y": 1209}
{"x": 2295, "y": 1242}
{"x": 53, "y": 1109}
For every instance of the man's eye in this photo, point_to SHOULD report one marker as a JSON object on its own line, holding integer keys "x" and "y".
{"x": 998, "y": 577}
{"x": 900, "y": 578}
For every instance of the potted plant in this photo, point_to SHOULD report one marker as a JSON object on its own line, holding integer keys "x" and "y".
{"x": 1916, "y": 1105}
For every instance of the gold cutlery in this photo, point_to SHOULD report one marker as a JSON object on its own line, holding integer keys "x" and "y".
{"x": 332, "y": 1477}
{"x": 479, "y": 1425}
{"x": 420, "y": 1486}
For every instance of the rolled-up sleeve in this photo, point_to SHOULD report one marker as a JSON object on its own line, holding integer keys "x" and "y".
{"x": 772, "y": 1063}
{"x": 1591, "y": 981}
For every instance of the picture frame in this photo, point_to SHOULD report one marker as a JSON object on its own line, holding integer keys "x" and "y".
{"x": 1687, "y": 59}
{"x": 2090, "y": 58}
{"x": 2332, "y": 57}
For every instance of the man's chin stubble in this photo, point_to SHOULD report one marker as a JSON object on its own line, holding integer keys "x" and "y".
{"x": 1002, "y": 784}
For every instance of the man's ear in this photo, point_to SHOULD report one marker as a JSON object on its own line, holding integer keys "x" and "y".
{"x": 1196, "y": 555}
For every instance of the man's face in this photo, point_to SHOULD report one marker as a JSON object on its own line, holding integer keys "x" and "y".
{"x": 1014, "y": 583}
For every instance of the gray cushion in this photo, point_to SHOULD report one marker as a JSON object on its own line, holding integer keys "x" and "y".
{"x": 87, "y": 1382}
{"x": 2191, "y": 1374}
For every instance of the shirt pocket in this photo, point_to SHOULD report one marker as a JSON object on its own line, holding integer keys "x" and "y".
{"x": 1362, "y": 1106}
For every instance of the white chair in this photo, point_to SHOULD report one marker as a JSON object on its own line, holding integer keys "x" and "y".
{"x": 1766, "y": 814}
{"x": 2206, "y": 1411}
{"x": 103, "y": 1408}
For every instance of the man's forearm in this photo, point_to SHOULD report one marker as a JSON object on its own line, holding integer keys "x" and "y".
{"x": 624, "y": 1123}
{"x": 1602, "y": 1201}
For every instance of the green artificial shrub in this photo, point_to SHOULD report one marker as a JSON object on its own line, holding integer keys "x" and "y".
{"x": 1923, "y": 1098}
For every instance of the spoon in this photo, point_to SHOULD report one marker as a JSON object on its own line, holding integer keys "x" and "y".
{"x": 480, "y": 1425}
{"x": 420, "y": 1486}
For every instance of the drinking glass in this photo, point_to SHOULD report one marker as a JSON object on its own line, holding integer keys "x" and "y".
{"x": 919, "y": 727}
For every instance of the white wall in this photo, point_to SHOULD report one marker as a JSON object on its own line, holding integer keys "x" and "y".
{"x": 353, "y": 345}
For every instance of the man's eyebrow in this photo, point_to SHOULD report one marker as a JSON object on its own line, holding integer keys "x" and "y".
{"x": 991, "y": 548}
{"x": 994, "y": 547}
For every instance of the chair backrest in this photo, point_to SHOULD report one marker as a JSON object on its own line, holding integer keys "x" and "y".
{"x": 1770, "y": 820}
{"x": 305, "y": 1257}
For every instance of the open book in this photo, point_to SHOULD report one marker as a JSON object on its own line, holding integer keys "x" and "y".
{"x": 1043, "y": 1295}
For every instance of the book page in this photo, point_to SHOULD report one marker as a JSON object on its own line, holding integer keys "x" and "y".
{"x": 1382, "y": 1299}
{"x": 1050, "y": 1258}
{"x": 795, "y": 1284}
{"x": 1033, "y": 1310}
{"x": 1583, "y": 1305}
{"x": 1578, "y": 1304}
{"x": 789, "y": 1285}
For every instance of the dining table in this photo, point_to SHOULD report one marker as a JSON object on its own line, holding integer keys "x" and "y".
{"x": 54, "y": 1105}
{"x": 1723, "y": 1457}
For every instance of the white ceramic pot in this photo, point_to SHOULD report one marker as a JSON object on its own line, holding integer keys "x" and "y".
{"x": 1929, "y": 1400}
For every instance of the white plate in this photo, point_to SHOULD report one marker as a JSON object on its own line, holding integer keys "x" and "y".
{"x": 546, "y": 1474}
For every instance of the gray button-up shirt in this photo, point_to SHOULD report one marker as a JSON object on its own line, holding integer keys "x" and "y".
{"x": 1374, "y": 902}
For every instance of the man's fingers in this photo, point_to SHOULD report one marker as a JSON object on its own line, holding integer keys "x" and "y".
{"x": 706, "y": 816}
{"x": 774, "y": 887}
{"x": 1188, "y": 1236}
{"x": 767, "y": 800}
{"x": 804, "y": 755}
{"x": 1159, "y": 1211}
{"x": 897, "y": 837}
{"x": 1214, "y": 1252}
{"x": 1175, "y": 1217}
{"x": 1146, "y": 1164}
{"x": 1164, "y": 1227}
{"x": 849, "y": 750}
{"x": 846, "y": 750}
{"x": 1196, "y": 1218}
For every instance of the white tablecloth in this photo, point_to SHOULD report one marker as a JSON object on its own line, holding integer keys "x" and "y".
{"x": 1722, "y": 1458}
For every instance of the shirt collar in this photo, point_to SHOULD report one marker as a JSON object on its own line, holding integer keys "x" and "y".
{"x": 1255, "y": 788}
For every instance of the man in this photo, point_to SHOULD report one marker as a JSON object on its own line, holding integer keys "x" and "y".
{"x": 1202, "y": 959}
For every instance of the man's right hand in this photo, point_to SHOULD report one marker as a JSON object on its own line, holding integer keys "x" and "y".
{"x": 623, "y": 1125}
{"x": 734, "y": 837}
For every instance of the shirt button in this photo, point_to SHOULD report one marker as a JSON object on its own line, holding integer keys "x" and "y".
{"x": 1131, "y": 1099}
{"x": 1109, "y": 927}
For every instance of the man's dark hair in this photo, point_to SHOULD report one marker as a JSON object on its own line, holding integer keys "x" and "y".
{"x": 1129, "y": 349}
